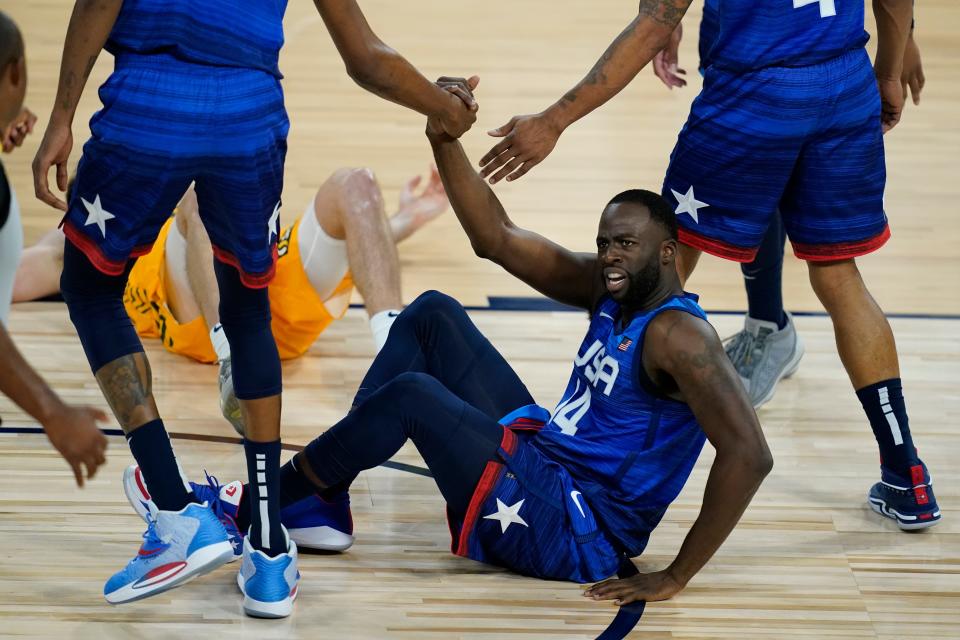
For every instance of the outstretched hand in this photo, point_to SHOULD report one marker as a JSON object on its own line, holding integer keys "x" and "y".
{"x": 651, "y": 587}
{"x": 527, "y": 140}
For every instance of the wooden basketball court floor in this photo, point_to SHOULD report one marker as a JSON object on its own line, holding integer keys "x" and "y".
{"x": 808, "y": 560}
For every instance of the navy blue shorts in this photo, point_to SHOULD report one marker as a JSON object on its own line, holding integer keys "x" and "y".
{"x": 806, "y": 140}
{"x": 164, "y": 124}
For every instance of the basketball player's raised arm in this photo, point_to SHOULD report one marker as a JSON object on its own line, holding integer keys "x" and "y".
{"x": 527, "y": 140}
{"x": 381, "y": 70}
{"x": 90, "y": 26}
{"x": 683, "y": 352}
{"x": 72, "y": 430}
{"x": 565, "y": 276}
{"x": 893, "y": 31}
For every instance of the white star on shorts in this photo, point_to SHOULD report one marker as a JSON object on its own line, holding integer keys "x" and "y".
{"x": 688, "y": 203}
{"x": 507, "y": 515}
{"x": 273, "y": 226}
{"x": 97, "y": 215}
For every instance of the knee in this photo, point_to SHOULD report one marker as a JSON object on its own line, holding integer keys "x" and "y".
{"x": 434, "y": 303}
{"x": 832, "y": 281}
{"x": 412, "y": 389}
{"x": 240, "y": 306}
{"x": 358, "y": 186}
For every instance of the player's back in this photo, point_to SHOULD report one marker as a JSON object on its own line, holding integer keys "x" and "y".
{"x": 232, "y": 33}
{"x": 785, "y": 33}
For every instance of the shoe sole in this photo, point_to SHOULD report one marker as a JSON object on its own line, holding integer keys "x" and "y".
{"x": 881, "y": 507}
{"x": 321, "y": 538}
{"x": 200, "y": 562}
{"x": 792, "y": 365}
{"x": 259, "y": 609}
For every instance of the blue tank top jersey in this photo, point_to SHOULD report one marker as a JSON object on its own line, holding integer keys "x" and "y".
{"x": 709, "y": 31}
{"x": 628, "y": 449}
{"x": 755, "y": 34}
{"x": 233, "y": 33}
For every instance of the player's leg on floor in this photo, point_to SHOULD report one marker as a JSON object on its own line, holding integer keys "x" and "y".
{"x": 455, "y": 439}
{"x": 434, "y": 335}
{"x": 768, "y": 348}
{"x": 348, "y": 214}
{"x": 11, "y": 247}
{"x": 38, "y": 273}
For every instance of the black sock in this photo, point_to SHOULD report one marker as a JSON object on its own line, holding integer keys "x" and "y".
{"x": 294, "y": 486}
{"x": 763, "y": 277}
{"x": 885, "y": 408}
{"x": 151, "y": 448}
{"x": 263, "y": 469}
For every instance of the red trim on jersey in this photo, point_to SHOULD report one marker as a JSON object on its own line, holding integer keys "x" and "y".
{"x": 488, "y": 480}
{"x": 95, "y": 255}
{"x": 252, "y": 280}
{"x": 716, "y": 247}
{"x": 840, "y": 250}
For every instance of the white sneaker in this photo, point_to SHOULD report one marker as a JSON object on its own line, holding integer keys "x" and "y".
{"x": 763, "y": 355}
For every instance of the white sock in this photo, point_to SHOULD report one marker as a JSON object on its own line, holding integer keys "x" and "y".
{"x": 219, "y": 339}
{"x": 380, "y": 324}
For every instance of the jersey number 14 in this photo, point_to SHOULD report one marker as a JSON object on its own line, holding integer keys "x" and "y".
{"x": 827, "y": 7}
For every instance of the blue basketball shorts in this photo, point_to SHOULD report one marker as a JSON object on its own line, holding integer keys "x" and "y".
{"x": 804, "y": 140}
{"x": 164, "y": 124}
{"x": 527, "y": 515}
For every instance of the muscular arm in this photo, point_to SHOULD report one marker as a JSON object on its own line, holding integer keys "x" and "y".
{"x": 90, "y": 25}
{"x": 379, "y": 69}
{"x": 630, "y": 52}
{"x": 688, "y": 350}
{"x": 893, "y": 29}
{"x": 558, "y": 273}
{"x": 682, "y": 353}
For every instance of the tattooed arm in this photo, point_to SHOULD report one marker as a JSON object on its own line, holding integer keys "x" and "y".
{"x": 527, "y": 140}
{"x": 90, "y": 25}
{"x": 685, "y": 359}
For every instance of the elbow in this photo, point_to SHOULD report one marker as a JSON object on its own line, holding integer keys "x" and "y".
{"x": 484, "y": 250}
{"x": 363, "y": 72}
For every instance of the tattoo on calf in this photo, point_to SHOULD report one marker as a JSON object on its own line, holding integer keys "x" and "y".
{"x": 127, "y": 384}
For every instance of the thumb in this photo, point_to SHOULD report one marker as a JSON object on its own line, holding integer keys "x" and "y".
{"x": 504, "y": 130}
{"x": 473, "y": 81}
{"x": 413, "y": 182}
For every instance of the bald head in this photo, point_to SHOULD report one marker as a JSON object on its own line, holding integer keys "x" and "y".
{"x": 11, "y": 42}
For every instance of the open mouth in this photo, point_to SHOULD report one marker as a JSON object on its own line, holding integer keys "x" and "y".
{"x": 615, "y": 280}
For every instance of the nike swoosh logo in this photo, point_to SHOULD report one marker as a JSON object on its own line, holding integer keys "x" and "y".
{"x": 573, "y": 496}
{"x": 218, "y": 328}
{"x": 392, "y": 314}
{"x": 605, "y": 315}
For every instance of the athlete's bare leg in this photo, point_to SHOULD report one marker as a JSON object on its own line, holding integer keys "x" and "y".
{"x": 191, "y": 264}
{"x": 39, "y": 269}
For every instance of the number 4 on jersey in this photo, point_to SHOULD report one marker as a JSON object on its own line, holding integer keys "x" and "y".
{"x": 827, "y": 7}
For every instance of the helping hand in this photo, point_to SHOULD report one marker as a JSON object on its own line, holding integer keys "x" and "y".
{"x": 527, "y": 140}
{"x": 463, "y": 113}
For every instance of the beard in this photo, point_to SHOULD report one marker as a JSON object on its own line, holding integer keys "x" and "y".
{"x": 642, "y": 284}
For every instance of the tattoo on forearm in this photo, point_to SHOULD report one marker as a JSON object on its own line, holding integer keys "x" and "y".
{"x": 127, "y": 384}
{"x": 666, "y": 12}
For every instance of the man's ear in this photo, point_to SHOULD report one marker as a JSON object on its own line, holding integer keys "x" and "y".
{"x": 668, "y": 251}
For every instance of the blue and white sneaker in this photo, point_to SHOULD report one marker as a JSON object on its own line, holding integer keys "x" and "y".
{"x": 315, "y": 523}
{"x": 908, "y": 501}
{"x": 269, "y": 585}
{"x": 224, "y": 500}
{"x": 177, "y": 547}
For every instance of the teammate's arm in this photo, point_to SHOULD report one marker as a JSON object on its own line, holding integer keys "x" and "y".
{"x": 893, "y": 29}
{"x": 72, "y": 430}
{"x": 379, "y": 69}
{"x": 565, "y": 276}
{"x": 527, "y": 140}
{"x": 90, "y": 26}
{"x": 684, "y": 352}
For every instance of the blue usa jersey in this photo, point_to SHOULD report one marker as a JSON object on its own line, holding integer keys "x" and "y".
{"x": 785, "y": 33}
{"x": 628, "y": 449}
{"x": 232, "y": 33}
{"x": 709, "y": 31}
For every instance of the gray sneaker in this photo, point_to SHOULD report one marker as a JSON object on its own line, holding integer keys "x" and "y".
{"x": 763, "y": 355}
{"x": 229, "y": 405}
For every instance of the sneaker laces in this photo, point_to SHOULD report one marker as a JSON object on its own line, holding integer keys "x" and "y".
{"x": 214, "y": 501}
{"x": 746, "y": 349}
{"x": 151, "y": 537}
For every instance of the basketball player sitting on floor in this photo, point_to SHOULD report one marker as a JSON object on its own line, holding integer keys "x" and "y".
{"x": 343, "y": 240}
{"x": 563, "y": 495}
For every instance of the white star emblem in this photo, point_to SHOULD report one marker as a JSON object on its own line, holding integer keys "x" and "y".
{"x": 507, "y": 515}
{"x": 274, "y": 225}
{"x": 688, "y": 203}
{"x": 97, "y": 215}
